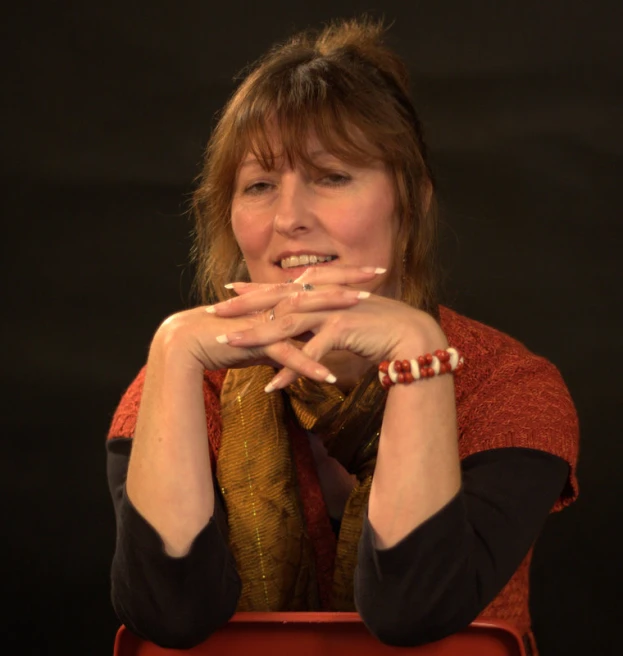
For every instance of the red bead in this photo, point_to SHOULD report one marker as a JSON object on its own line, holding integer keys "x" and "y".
{"x": 429, "y": 358}
{"x": 424, "y": 372}
{"x": 400, "y": 378}
{"x": 446, "y": 368}
{"x": 406, "y": 365}
{"x": 397, "y": 366}
{"x": 408, "y": 378}
{"x": 384, "y": 367}
{"x": 443, "y": 356}
{"x": 421, "y": 360}
{"x": 387, "y": 381}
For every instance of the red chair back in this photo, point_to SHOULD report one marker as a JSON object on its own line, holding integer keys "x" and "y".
{"x": 325, "y": 634}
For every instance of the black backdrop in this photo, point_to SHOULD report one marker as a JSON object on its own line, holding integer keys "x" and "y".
{"x": 107, "y": 109}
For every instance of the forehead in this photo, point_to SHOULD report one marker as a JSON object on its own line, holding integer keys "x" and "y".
{"x": 272, "y": 145}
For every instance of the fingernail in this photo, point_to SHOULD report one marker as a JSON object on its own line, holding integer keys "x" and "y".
{"x": 272, "y": 386}
{"x": 330, "y": 378}
{"x": 229, "y": 285}
{"x": 222, "y": 339}
{"x": 355, "y": 294}
{"x": 211, "y": 309}
{"x": 368, "y": 269}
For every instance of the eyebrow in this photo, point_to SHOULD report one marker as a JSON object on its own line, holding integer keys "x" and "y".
{"x": 313, "y": 155}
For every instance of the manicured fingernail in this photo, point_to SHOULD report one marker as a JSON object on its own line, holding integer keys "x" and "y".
{"x": 229, "y": 285}
{"x": 232, "y": 285}
{"x": 352, "y": 293}
{"x": 222, "y": 339}
{"x": 211, "y": 309}
{"x": 330, "y": 378}
{"x": 368, "y": 269}
{"x": 272, "y": 386}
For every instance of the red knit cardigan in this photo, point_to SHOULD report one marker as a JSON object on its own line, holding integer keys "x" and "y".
{"x": 506, "y": 396}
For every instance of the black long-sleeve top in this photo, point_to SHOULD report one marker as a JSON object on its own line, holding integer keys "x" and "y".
{"x": 434, "y": 582}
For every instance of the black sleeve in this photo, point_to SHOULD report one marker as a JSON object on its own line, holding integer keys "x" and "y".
{"x": 439, "y": 578}
{"x": 173, "y": 602}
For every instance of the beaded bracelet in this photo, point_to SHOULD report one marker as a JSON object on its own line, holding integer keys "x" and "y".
{"x": 424, "y": 366}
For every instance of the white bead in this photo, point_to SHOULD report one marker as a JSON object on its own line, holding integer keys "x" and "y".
{"x": 454, "y": 357}
{"x": 436, "y": 365}
{"x": 415, "y": 369}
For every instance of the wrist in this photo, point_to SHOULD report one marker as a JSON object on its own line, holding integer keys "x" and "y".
{"x": 174, "y": 346}
{"x": 414, "y": 345}
{"x": 428, "y": 365}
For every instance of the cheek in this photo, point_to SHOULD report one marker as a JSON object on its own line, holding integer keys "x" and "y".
{"x": 371, "y": 230}
{"x": 250, "y": 232}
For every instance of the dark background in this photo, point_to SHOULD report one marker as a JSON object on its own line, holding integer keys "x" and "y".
{"x": 107, "y": 108}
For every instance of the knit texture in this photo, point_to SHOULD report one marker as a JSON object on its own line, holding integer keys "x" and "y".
{"x": 506, "y": 397}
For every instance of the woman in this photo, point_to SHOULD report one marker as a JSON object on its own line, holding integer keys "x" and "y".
{"x": 260, "y": 461}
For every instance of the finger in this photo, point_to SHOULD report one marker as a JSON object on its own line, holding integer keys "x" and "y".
{"x": 262, "y": 297}
{"x": 318, "y": 274}
{"x": 339, "y": 275}
{"x": 246, "y": 287}
{"x": 271, "y": 332}
{"x": 316, "y": 349}
{"x": 296, "y": 363}
{"x": 303, "y": 301}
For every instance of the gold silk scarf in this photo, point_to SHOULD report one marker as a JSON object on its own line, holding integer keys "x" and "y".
{"x": 258, "y": 479}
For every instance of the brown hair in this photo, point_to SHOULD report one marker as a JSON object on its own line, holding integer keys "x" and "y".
{"x": 339, "y": 83}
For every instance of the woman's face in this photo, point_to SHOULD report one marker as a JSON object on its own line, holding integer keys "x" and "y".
{"x": 289, "y": 219}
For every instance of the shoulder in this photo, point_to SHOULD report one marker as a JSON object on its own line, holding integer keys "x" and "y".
{"x": 495, "y": 359}
{"x": 508, "y": 396}
{"x": 123, "y": 423}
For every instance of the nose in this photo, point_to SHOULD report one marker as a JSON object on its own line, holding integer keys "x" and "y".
{"x": 293, "y": 216}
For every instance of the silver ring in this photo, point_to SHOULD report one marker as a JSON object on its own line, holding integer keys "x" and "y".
{"x": 271, "y": 314}
{"x": 307, "y": 287}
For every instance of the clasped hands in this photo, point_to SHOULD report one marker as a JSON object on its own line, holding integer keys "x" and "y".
{"x": 294, "y": 327}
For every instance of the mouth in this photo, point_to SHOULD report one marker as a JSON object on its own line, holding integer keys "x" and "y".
{"x": 292, "y": 262}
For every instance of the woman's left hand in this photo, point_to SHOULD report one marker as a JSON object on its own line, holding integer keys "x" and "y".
{"x": 376, "y": 328}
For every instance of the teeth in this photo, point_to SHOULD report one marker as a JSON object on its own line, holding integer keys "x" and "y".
{"x": 304, "y": 260}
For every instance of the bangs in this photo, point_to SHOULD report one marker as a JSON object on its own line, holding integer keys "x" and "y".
{"x": 280, "y": 117}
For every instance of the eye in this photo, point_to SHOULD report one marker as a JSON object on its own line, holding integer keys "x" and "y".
{"x": 257, "y": 188}
{"x": 335, "y": 179}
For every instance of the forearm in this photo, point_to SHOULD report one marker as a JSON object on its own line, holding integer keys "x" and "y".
{"x": 417, "y": 470}
{"x": 169, "y": 476}
{"x": 446, "y": 571}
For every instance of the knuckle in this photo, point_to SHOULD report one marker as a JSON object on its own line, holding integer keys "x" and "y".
{"x": 287, "y": 322}
{"x": 295, "y": 299}
{"x": 280, "y": 349}
{"x": 337, "y": 322}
